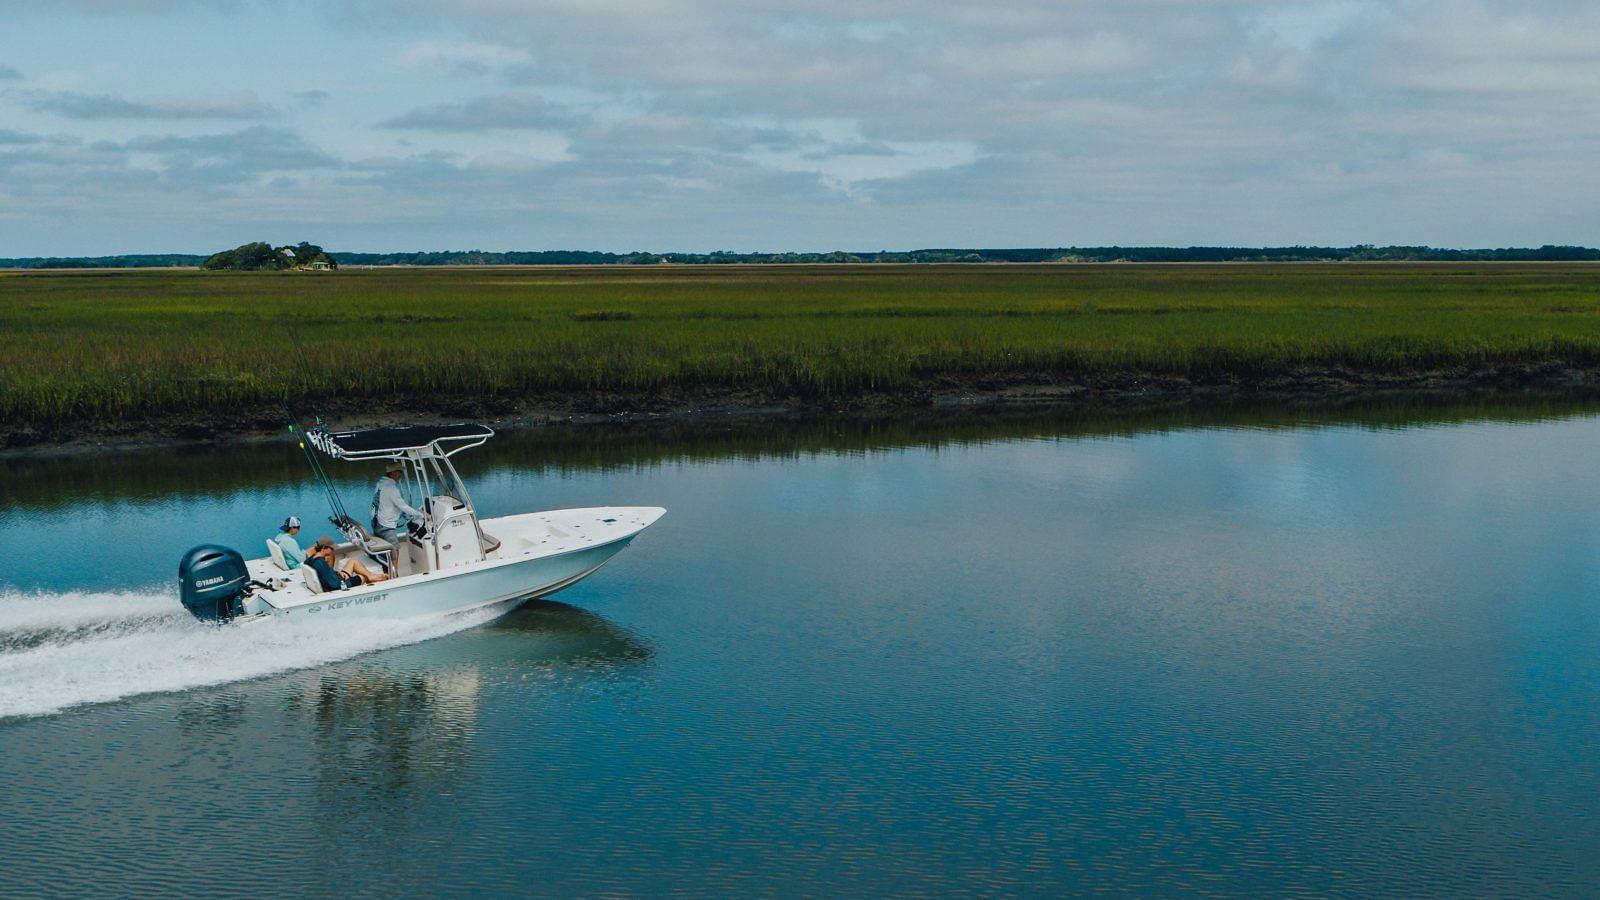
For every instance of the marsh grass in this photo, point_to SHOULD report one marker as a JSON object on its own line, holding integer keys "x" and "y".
{"x": 123, "y": 345}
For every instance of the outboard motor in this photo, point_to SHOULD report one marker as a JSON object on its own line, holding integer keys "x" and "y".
{"x": 211, "y": 582}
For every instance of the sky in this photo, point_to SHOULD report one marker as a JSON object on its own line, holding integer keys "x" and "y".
{"x": 697, "y": 125}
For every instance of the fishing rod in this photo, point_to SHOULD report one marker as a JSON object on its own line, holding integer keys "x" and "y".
{"x": 341, "y": 516}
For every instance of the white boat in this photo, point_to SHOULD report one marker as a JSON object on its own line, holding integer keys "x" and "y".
{"x": 450, "y": 561}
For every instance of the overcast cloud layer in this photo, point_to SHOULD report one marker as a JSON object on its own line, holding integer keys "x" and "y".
{"x": 149, "y": 125}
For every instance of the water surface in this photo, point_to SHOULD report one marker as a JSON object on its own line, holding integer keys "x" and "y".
{"x": 1020, "y": 653}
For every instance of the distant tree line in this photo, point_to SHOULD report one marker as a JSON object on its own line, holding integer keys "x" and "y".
{"x": 126, "y": 261}
{"x": 1360, "y": 253}
{"x": 264, "y": 256}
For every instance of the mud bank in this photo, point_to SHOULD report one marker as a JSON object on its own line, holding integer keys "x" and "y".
{"x": 1099, "y": 392}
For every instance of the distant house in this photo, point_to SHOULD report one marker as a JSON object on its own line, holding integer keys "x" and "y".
{"x": 287, "y": 253}
{"x": 322, "y": 265}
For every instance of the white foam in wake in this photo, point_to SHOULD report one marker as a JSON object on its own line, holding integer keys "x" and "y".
{"x": 63, "y": 650}
{"x": 40, "y": 612}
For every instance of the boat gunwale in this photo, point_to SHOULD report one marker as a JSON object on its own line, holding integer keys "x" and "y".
{"x": 420, "y": 578}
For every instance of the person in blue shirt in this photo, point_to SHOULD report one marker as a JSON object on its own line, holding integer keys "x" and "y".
{"x": 292, "y": 554}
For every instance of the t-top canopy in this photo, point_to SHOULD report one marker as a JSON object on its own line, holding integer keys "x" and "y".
{"x": 381, "y": 442}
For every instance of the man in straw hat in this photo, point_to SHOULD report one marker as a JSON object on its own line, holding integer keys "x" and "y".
{"x": 388, "y": 506}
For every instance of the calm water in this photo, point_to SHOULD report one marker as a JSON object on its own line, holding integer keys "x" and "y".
{"x": 1027, "y": 654}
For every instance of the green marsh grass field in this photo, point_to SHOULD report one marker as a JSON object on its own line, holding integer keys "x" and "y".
{"x": 125, "y": 346}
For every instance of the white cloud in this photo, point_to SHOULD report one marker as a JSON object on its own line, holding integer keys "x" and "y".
{"x": 79, "y": 105}
{"x": 534, "y": 154}
{"x": 1538, "y": 50}
{"x": 507, "y": 111}
{"x": 1272, "y": 66}
{"x": 844, "y": 161}
{"x": 474, "y": 56}
{"x": 868, "y": 123}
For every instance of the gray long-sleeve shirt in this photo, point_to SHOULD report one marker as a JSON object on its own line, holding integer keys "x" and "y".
{"x": 388, "y": 505}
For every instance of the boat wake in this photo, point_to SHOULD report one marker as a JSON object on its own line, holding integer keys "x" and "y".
{"x": 61, "y": 650}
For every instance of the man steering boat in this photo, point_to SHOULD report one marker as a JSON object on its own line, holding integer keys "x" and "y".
{"x": 388, "y": 505}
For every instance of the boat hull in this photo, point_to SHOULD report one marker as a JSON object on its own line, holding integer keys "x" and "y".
{"x": 449, "y": 592}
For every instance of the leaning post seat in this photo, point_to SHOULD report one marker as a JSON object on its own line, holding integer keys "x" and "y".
{"x": 276, "y": 552}
{"x": 375, "y": 547}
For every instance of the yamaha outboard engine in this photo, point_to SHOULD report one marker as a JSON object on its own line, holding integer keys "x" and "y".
{"x": 211, "y": 582}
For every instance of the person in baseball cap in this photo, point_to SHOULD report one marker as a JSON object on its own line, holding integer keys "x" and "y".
{"x": 293, "y": 556}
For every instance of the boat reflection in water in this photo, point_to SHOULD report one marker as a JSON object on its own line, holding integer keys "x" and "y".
{"x": 391, "y": 737}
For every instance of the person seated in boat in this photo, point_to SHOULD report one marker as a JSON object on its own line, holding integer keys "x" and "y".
{"x": 388, "y": 505}
{"x": 293, "y": 556}
{"x": 341, "y": 576}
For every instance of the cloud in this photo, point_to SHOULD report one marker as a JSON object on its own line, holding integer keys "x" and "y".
{"x": 463, "y": 56}
{"x": 668, "y": 134}
{"x": 85, "y": 106}
{"x": 852, "y": 168}
{"x": 250, "y": 151}
{"x": 112, "y": 7}
{"x": 866, "y": 122}
{"x": 8, "y": 136}
{"x": 1274, "y": 66}
{"x": 163, "y": 191}
{"x": 496, "y": 113}
{"x": 1476, "y": 49}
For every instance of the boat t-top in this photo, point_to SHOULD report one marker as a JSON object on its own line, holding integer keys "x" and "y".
{"x": 449, "y": 561}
